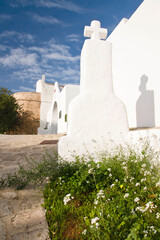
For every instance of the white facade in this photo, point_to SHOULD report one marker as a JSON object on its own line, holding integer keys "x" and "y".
{"x": 136, "y": 64}
{"x": 96, "y": 114}
{"x": 54, "y": 106}
{"x": 135, "y": 68}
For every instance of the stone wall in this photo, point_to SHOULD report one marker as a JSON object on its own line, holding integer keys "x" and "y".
{"x": 30, "y": 117}
{"x": 30, "y": 101}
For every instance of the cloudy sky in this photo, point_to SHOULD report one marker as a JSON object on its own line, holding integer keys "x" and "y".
{"x": 46, "y": 36}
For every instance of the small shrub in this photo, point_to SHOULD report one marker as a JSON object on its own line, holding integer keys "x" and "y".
{"x": 9, "y": 110}
{"x": 33, "y": 175}
{"x": 27, "y": 124}
{"x": 115, "y": 197}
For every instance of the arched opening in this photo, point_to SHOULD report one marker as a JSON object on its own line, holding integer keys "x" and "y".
{"x": 54, "y": 124}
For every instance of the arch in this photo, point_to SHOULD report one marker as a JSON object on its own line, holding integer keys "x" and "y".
{"x": 54, "y": 123}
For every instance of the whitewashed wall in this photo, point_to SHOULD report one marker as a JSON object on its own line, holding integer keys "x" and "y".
{"x": 136, "y": 64}
{"x": 68, "y": 93}
{"x": 54, "y": 106}
{"x": 46, "y": 91}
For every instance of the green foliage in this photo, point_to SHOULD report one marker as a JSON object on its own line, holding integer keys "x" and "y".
{"x": 27, "y": 124}
{"x": 35, "y": 174}
{"x": 9, "y": 110}
{"x": 113, "y": 198}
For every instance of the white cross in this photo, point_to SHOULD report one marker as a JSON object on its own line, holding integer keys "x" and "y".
{"x": 95, "y": 31}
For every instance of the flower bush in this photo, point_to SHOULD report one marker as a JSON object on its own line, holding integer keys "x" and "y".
{"x": 115, "y": 196}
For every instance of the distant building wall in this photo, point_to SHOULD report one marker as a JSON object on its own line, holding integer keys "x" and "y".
{"x": 30, "y": 101}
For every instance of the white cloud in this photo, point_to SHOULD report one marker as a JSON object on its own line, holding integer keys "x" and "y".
{"x": 18, "y": 58}
{"x": 23, "y": 89}
{"x": 48, "y": 20}
{"x": 4, "y": 17}
{"x": 27, "y": 64}
{"x": 73, "y": 38}
{"x": 26, "y": 89}
{"x": 3, "y": 47}
{"x": 64, "y": 75}
{"x": 40, "y": 50}
{"x": 61, "y": 57}
{"x": 21, "y": 36}
{"x": 53, "y": 51}
{"x": 61, "y": 4}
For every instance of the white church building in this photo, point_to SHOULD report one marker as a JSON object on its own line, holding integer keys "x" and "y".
{"x": 135, "y": 72}
{"x": 55, "y": 100}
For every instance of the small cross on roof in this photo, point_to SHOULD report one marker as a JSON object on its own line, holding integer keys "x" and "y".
{"x": 95, "y": 31}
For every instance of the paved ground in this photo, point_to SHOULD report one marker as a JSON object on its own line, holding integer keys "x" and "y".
{"x": 21, "y": 214}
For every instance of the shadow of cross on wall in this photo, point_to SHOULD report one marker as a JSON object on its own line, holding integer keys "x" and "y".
{"x": 145, "y": 109}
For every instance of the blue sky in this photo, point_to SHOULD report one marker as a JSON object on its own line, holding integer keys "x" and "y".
{"x": 46, "y": 36}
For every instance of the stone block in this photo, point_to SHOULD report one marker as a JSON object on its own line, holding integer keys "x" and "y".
{"x": 5, "y": 209}
{"x": 3, "y": 235}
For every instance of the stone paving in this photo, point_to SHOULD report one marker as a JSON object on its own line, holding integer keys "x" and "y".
{"x": 21, "y": 214}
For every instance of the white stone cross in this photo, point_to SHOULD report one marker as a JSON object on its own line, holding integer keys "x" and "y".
{"x": 95, "y": 31}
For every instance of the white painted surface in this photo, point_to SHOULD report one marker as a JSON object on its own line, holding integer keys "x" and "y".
{"x": 96, "y": 115}
{"x": 54, "y": 106}
{"x": 136, "y": 64}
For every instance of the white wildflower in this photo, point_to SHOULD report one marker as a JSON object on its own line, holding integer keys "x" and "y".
{"x": 110, "y": 175}
{"x": 96, "y": 202}
{"x": 112, "y": 185}
{"x": 109, "y": 169}
{"x": 84, "y": 232}
{"x": 126, "y": 195}
{"x": 131, "y": 179}
{"x": 94, "y": 220}
{"x": 157, "y": 215}
{"x": 98, "y": 165}
{"x": 141, "y": 209}
{"x": 97, "y": 224}
{"x": 143, "y": 179}
{"x": 147, "y": 173}
{"x": 100, "y": 194}
{"x": 136, "y": 199}
{"x": 125, "y": 168}
{"x": 47, "y": 179}
{"x": 137, "y": 184}
{"x": 133, "y": 212}
{"x": 90, "y": 170}
{"x": 152, "y": 227}
{"x": 67, "y": 198}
